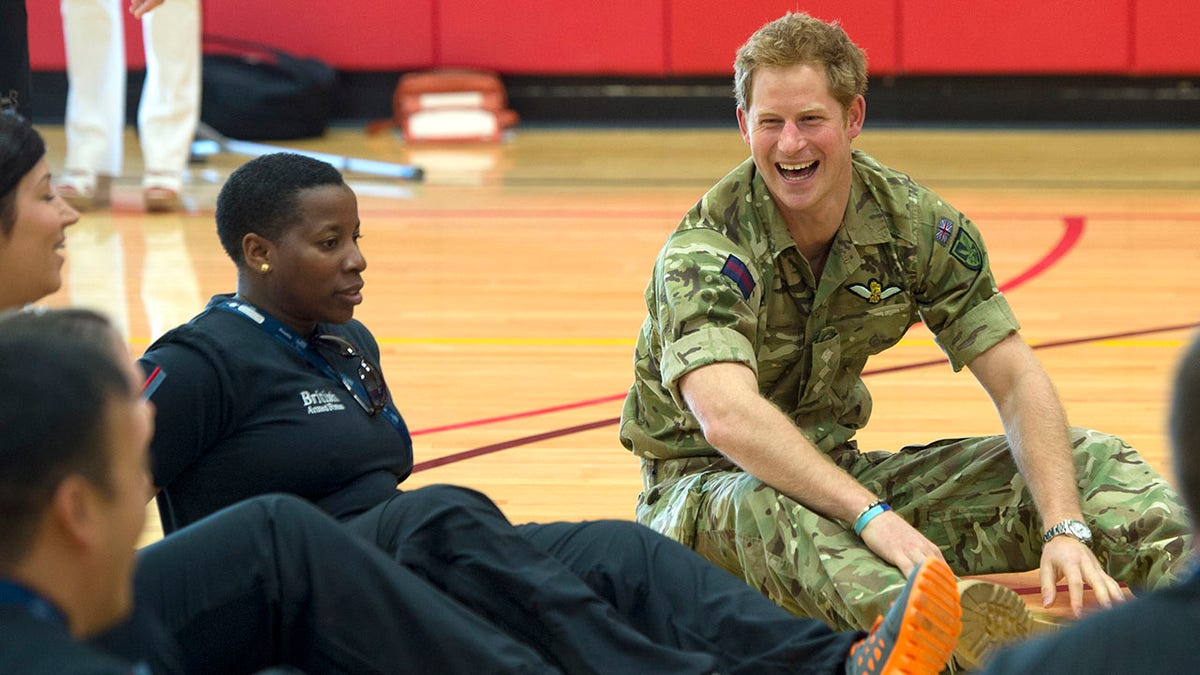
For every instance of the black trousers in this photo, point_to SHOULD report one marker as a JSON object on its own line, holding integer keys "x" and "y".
{"x": 597, "y": 597}
{"x": 14, "y": 57}
{"x": 275, "y": 581}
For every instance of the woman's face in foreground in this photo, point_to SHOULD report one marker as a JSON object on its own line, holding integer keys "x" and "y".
{"x": 30, "y": 257}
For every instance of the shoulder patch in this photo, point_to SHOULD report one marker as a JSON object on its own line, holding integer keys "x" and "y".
{"x": 945, "y": 228}
{"x": 154, "y": 379}
{"x": 736, "y": 269}
{"x": 966, "y": 251}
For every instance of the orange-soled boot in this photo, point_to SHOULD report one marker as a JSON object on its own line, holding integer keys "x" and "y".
{"x": 920, "y": 631}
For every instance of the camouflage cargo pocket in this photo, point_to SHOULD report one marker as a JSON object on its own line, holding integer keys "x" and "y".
{"x": 673, "y": 507}
{"x": 984, "y": 539}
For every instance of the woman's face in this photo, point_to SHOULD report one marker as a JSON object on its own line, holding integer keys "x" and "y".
{"x": 316, "y": 266}
{"x": 30, "y": 260}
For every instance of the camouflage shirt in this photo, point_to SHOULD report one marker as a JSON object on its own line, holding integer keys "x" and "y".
{"x": 731, "y": 285}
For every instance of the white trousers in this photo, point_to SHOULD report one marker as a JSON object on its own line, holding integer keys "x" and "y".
{"x": 170, "y": 103}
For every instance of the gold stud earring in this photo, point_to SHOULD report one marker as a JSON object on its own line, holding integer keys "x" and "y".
{"x": 264, "y": 268}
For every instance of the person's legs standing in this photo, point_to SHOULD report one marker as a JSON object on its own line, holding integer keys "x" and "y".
{"x": 170, "y": 105}
{"x": 95, "y": 39}
{"x": 14, "y": 58}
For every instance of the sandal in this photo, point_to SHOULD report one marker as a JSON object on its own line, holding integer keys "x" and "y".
{"x": 160, "y": 191}
{"x": 84, "y": 190}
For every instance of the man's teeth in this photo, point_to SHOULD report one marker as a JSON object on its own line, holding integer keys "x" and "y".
{"x": 796, "y": 167}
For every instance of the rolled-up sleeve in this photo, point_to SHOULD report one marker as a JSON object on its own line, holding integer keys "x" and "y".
{"x": 981, "y": 328}
{"x": 958, "y": 298}
{"x": 704, "y": 315}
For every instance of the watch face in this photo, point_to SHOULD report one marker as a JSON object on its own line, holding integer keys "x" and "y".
{"x": 1079, "y": 530}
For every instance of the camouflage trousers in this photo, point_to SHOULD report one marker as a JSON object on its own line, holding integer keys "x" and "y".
{"x": 965, "y": 495}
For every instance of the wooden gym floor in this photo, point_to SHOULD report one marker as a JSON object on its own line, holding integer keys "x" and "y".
{"x": 506, "y": 290}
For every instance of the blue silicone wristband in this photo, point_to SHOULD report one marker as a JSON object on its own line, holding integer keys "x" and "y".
{"x": 868, "y": 516}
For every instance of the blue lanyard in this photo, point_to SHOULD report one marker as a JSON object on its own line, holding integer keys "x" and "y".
{"x": 299, "y": 344}
{"x": 37, "y": 606}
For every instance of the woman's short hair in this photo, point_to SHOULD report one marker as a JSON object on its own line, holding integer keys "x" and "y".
{"x": 263, "y": 196}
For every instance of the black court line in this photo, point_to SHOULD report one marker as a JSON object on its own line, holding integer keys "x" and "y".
{"x": 567, "y": 431}
{"x": 524, "y": 440}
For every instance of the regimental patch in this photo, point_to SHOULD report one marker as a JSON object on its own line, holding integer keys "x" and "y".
{"x": 945, "y": 228}
{"x": 736, "y": 269}
{"x": 966, "y": 251}
{"x": 873, "y": 292}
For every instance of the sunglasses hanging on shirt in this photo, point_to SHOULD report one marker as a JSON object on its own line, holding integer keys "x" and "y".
{"x": 373, "y": 396}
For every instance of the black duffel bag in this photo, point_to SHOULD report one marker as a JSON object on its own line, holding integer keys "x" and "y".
{"x": 252, "y": 91}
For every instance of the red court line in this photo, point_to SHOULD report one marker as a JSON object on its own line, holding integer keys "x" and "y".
{"x": 1036, "y": 590}
{"x": 496, "y": 447}
{"x": 1072, "y": 232}
{"x": 520, "y": 214}
{"x": 516, "y": 416}
{"x": 1050, "y": 345}
{"x": 672, "y": 215}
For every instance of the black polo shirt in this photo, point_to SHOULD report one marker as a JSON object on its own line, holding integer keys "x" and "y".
{"x": 241, "y": 414}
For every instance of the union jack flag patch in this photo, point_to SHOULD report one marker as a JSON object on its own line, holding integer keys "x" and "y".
{"x": 945, "y": 228}
{"x": 736, "y": 269}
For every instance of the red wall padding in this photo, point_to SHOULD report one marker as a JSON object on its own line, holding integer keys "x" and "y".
{"x": 703, "y": 35}
{"x": 1166, "y": 39}
{"x": 359, "y": 35}
{"x": 693, "y": 37}
{"x": 364, "y": 35}
{"x": 622, "y": 37}
{"x": 1003, "y": 37}
{"x": 46, "y": 50}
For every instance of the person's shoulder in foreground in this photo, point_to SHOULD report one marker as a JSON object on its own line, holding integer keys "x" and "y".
{"x": 30, "y": 645}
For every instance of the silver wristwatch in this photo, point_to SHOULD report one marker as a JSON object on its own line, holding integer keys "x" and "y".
{"x": 1072, "y": 528}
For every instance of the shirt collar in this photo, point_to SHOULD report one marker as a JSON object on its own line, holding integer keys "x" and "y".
{"x": 864, "y": 222}
{"x": 15, "y": 594}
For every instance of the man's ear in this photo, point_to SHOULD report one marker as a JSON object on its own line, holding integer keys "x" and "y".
{"x": 256, "y": 250}
{"x": 856, "y": 116}
{"x": 74, "y": 511}
{"x": 744, "y": 125}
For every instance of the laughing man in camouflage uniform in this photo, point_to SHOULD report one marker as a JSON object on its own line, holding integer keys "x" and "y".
{"x": 763, "y": 308}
